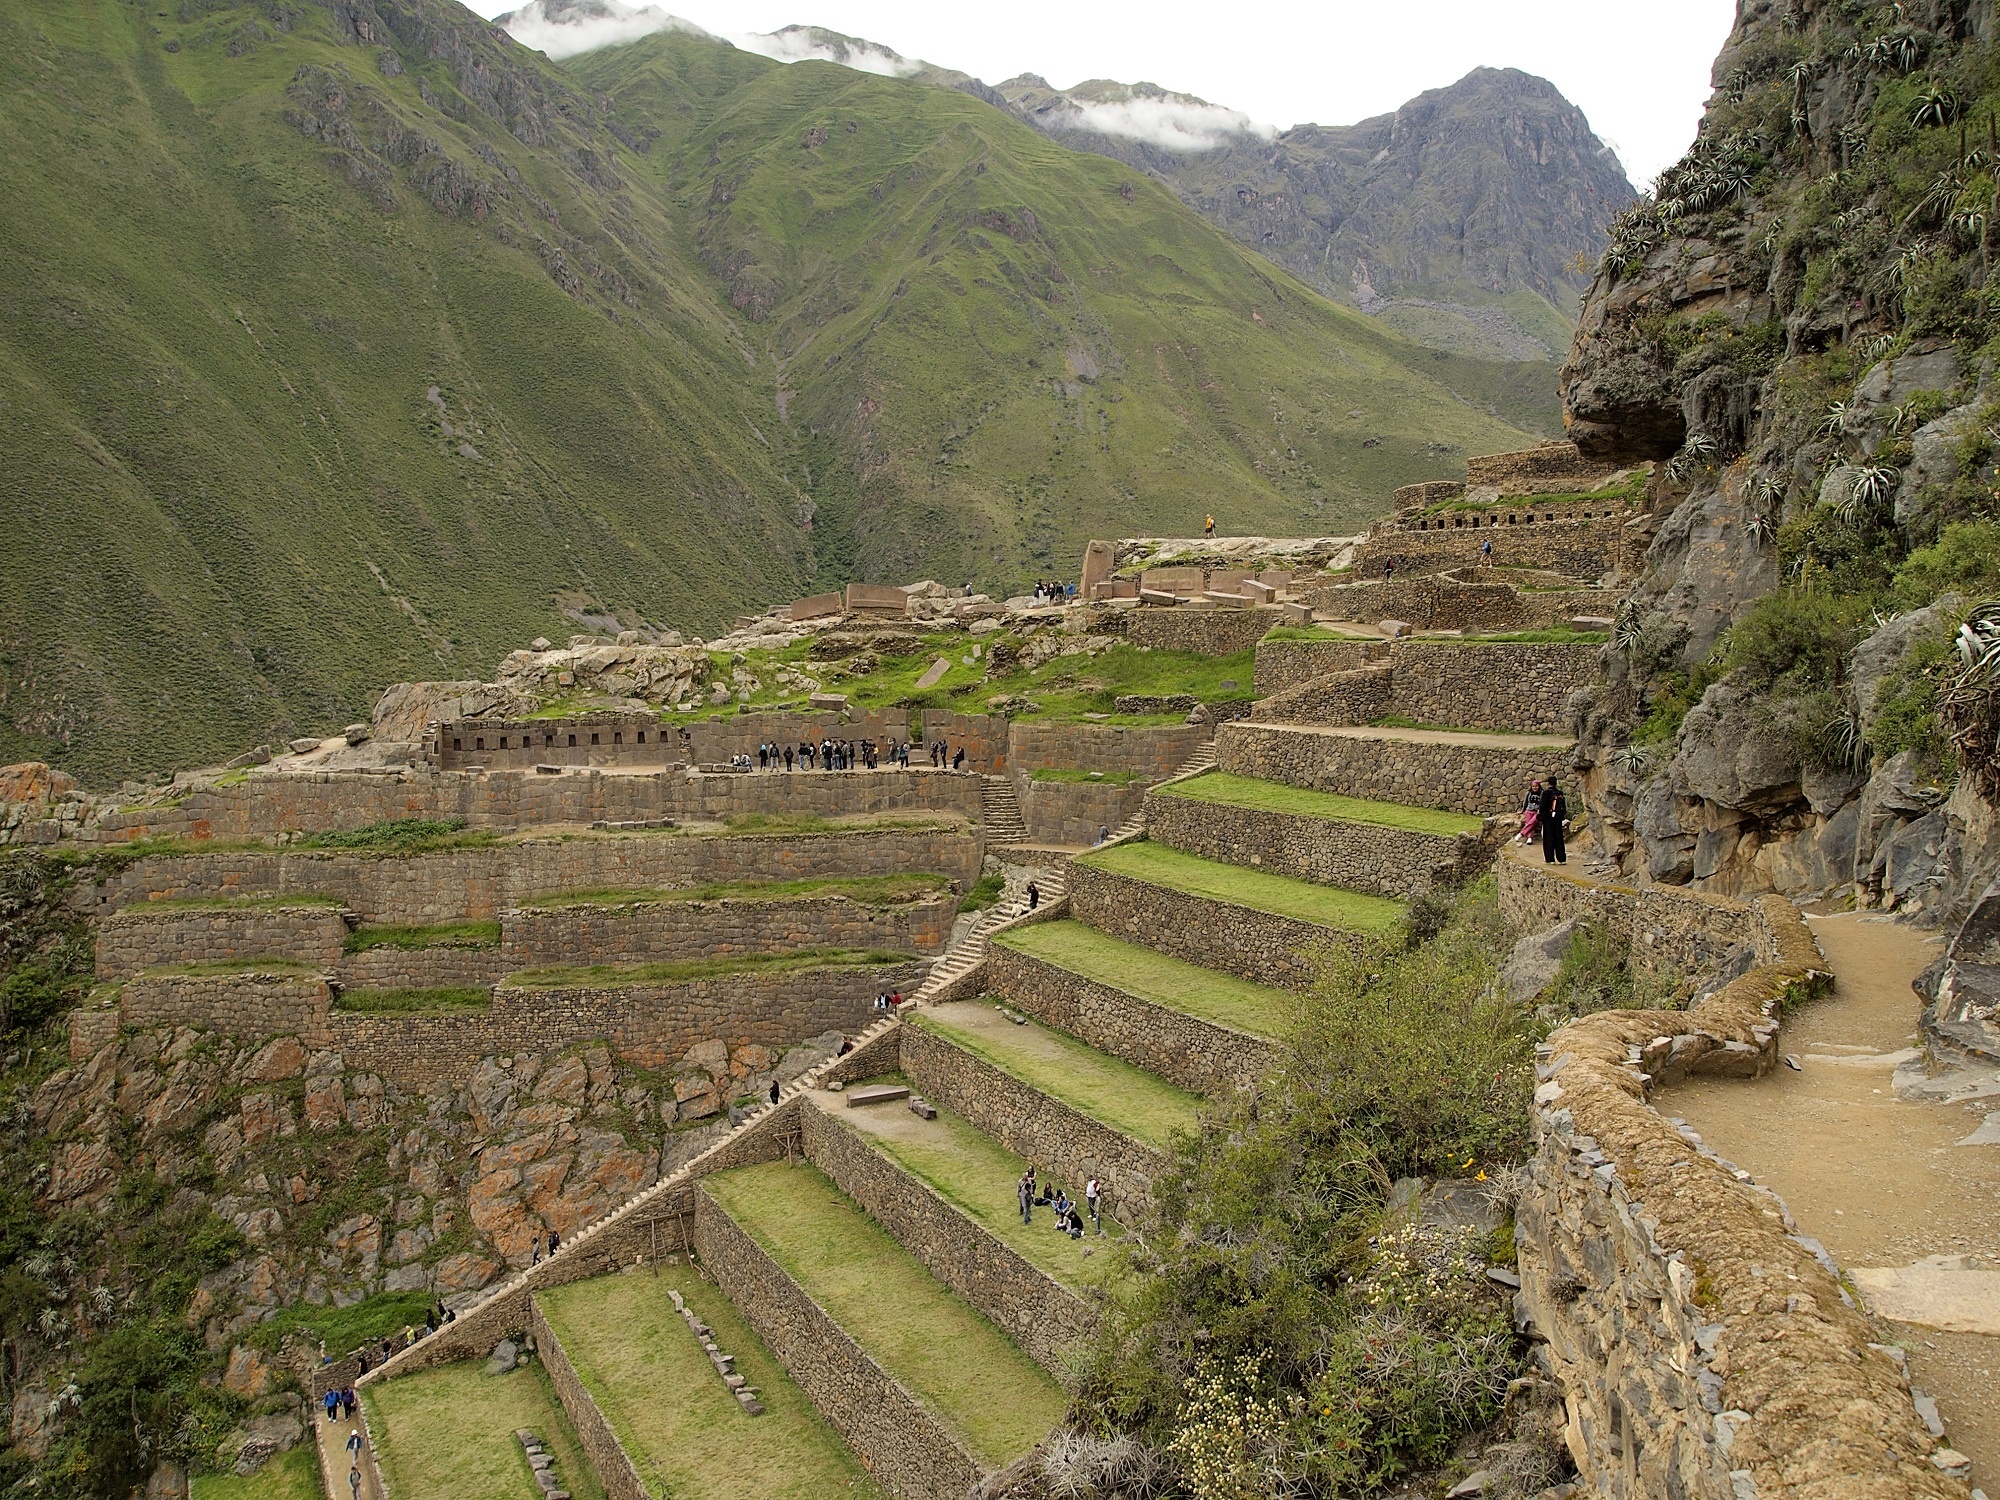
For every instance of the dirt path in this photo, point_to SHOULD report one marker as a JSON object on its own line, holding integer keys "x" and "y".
{"x": 333, "y": 1460}
{"x": 1879, "y": 1170}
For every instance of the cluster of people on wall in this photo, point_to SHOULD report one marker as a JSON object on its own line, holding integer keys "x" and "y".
{"x": 1051, "y": 591}
{"x": 832, "y": 754}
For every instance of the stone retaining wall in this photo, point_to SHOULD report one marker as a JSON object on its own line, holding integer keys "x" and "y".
{"x": 136, "y": 939}
{"x": 1329, "y": 851}
{"x": 1255, "y": 945}
{"x": 1200, "y": 1056}
{"x": 478, "y": 884}
{"x": 983, "y": 737}
{"x": 1072, "y": 812}
{"x": 1205, "y": 632}
{"x": 1360, "y": 696}
{"x": 708, "y": 742}
{"x": 1516, "y": 687}
{"x": 1485, "y": 601}
{"x": 1477, "y": 779}
{"x": 903, "y": 1444}
{"x": 1546, "y": 469}
{"x": 1669, "y": 927}
{"x": 1704, "y": 1349}
{"x": 446, "y": 966}
{"x": 1580, "y": 541}
{"x": 1060, "y": 1141}
{"x": 1150, "y": 750}
{"x": 1050, "y": 1322}
{"x": 614, "y": 1466}
{"x": 242, "y": 1005}
{"x": 1282, "y": 665}
{"x": 639, "y": 741}
{"x": 666, "y": 931}
{"x": 650, "y": 1025}
{"x": 322, "y": 801}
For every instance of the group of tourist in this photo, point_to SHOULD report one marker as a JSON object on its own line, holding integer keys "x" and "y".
{"x": 340, "y": 1404}
{"x": 1049, "y": 591}
{"x": 828, "y": 754}
{"x": 939, "y": 750}
{"x": 887, "y": 1003}
{"x": 1029, "y": 1195}
{"x": 1544, "y": 815}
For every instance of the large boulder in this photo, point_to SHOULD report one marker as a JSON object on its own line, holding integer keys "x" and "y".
{"x": 1887, "y": 647}
{"x": 1536, "y": 960}
{"x": 1732, "y": 754}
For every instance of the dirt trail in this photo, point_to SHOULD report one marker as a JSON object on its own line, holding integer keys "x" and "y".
{"x": 1884, "y": 1179}
{"x": 334, "y": 1463}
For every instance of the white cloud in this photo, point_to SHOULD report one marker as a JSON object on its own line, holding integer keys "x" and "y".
{"x": 799, "y": 44}
{"x": 586, "y": 25}
{"x": 1171, "y": 124}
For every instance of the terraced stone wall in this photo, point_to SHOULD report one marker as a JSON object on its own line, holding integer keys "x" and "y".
{"x": 1558, "y": 538}
{"x": 1357, "y": 697}
{"x": 243, "y": 1005}
{"x": 1255, "y": 945}
{"x": 1478, "y": 779}
{"x": 665, "y": 931}
{"x": 1283, "y": 665}
{"x": 1048, "y": 1321}
{"x": 139, "y": 938}
{"x": 1198, "y": 1055}
{"x": 983, "y": 737}
{"x": 1547, "y": 469}
{"x": 1361, "y": 856}
{"x": 1060, "y": 1141}
{"x": 712, "y": 742}
{"x": 902, "y": 1443}
{"x": 632, "y": 741}
{"x": 1072, "y": 812}
{"x": 478, "y": 884}
{"x": 1514, "y": 686}
{"x": 446, "y": 966}
{"x": 1440, "y": 602}
{"x": 1205, "y": 632}
{"x": 325, "y": 801}
{"x": 613, "y": 1465}
{"x": 650, "y": 1025}
{"x": 1668, "y": 928}
{"x": 1152, "y": 751}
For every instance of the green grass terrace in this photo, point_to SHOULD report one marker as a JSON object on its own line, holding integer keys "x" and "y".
{"x": 1247, "y": 792}
{"x": 976, "y": 1175}
{"x": 1129, "y": 1100}
{"x": 867, "y": 890}
{"x": 685, "y": 970}
{"x": 1158, "y": 978}
{"x": 1327, "y": 905}
{"x": 965, "y": 1370}
{"x": 685, "y": 1432}
{"x": 450, "y": 1431}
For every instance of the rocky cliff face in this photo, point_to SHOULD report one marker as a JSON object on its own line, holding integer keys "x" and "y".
{"x": 1801, "y": 324}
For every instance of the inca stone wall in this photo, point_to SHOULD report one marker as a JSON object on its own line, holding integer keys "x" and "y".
{"x": 1062, "y": 1143}
{"x": 1282, "y": 665}
{"x": 1441, "y": 601}
{"x": 1151, "y": 751}
{"x": 325, "y": 801}
{"x": 445, "y": 966}
{"x": 1073, "y": 812}
{"x": 901, "y": 1442}
{"x": 139, "y": 938}
{"x": 1328, "y": 851}
{"x": 1198, "y": 1055}
{"x": 245, "y": 1005}
{"x": 1547, "y": 469}
{"x": 664, "y": 931}
{"x": 650, "y": 1025}
{"x": 1521, "y": 687}
{"x": 613, "y": 1465}
{"x": 478, "y": 884}
{"x": 1478, "y": 779}
{"x": 1205, "y": 632}
{"x": 1255, "y": 945}
{"x": 624, "y": 740}
{"x": 1357, "y": 697}
{"x": 1669, "y": 928}
{"x": 1581, "y": 541}
{"x": 712, "y": 742}
{"x": 1050, "y": 1322}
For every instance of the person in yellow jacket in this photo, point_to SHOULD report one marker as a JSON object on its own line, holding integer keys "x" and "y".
{"x": 1208, "y": 527}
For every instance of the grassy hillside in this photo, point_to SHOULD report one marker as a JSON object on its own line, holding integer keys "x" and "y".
{"x": 343, "y": 343}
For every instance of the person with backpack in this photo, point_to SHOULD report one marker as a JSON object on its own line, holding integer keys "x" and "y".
{"x": 1553, "y": 814}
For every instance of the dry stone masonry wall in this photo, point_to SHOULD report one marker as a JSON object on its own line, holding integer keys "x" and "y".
{"x": 1283, "y": 665}
{"x": 1074, "y": 812}
{"x": 1517, "y": 687}
{"x": 660, "y": 931}
{"x": 1204, "y": 632}
{"x": 1478, "y": 779}
{"x": 139, "y": 938}
{"x": 613, "y": 1465}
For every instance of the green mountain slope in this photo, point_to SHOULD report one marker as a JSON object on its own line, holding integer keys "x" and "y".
{"x": 347, "y": 341}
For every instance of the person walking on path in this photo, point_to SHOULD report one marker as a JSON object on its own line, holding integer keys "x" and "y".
{"x": 1486, "y": 551}
{"x": 1553, "y": 812}
{"x": 1531, "y": 812}
{"x": 774, "y": 1091}
{"x": 1034, "y": 895}
{"x": 1388, "y": 569}
{"x": 1208, "y": 527}
{"x": 332, "y": 1404}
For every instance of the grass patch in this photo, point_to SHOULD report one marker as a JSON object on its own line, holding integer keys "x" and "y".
{"x": 672, "y": 1412}
{"x": 344, "y": 1329}
{"x": 292, "y": 1475}
{"x": 705, "y": 968}
{"x": 976, "y": 1174}
{"x": 958, "y": 1363}
{"x": 867, "y": 890}
{"x": 425, "y": 935}
{"x": 1328, "y": 905}
{"x": 446, "y": 1000}
{"x": 1150, "y": 975}
{"x": 1069, "y": 775}
{"x": 1548, "y": 635}
{"x": 402, "y": 836}
{"x": 1130, "y": 1100}
{"x": 985, "y": 891}
{"x": 450, "y": 1431}
{"x": 1269, "y": 796}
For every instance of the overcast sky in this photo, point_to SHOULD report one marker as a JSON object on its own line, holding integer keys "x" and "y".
{"x": 1639, "y": 71}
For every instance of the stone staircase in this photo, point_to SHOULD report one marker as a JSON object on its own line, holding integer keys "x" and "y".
{"x": 969, "y": 951}
{"x": 1202, "y": 760}
{"x": 1000, "y": 812}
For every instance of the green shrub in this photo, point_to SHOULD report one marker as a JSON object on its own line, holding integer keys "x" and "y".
{"x": 984, "y": 893}
{"x": 1964, "y": 558}
{"x": 402, "y": 836}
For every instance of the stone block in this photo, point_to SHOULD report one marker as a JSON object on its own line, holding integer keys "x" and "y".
{"x": 877, "y": 599}
{"x": 815, "y": 606}
{"x": 1298, "y": 614}
{"x": 1164, "y": 598}
{"x": 879, "y": 1094}
{"x": 1394, "y": 628}
{"x": 1221, "y": 600}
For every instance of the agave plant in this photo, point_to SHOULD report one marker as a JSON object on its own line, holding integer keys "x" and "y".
{"x": 1626, "y": 629}
{"x": 1935, "y": 106}
{"x": 1898, "y": 51}
{"x": 1870, "y": 492}
{"x": 1696, "y": 453}
{"x": 1637, "y": 761}
{"x": 1841, "y": 739}
{"x": 1969, "y": 224}
{"x": 1838, "y": 415}
{"x": 1762, "y": 528}
{"x": 1936, "y": 203}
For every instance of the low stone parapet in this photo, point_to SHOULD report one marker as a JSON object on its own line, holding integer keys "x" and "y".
{"x": 1668, "y": 927}
{"x": 1360, "y": 856}
{"x": 1045, "y": 1131}
{"x": 150, "y": 937}
{"x": 1458, "y": 775}
{"x": 637, "y": 932}
{"x": 1360, "y": 696}
{"x": 1050, "y": 1322}
{"x": 910, "y": 1450}
{"x": 1256, "y": 945}
{"x": 1198, "y": 1055}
